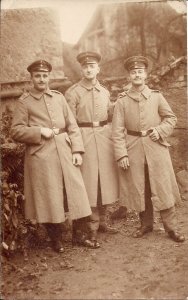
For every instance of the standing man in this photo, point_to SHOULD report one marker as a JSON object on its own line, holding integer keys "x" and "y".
{"x": 142, "y": 120}
{"x": 90, "y": 104}
{"x": 54, "y": 148}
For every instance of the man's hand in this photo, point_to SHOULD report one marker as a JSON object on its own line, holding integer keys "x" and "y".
{"x": 124, "y": 163}
{"x": 154, "y": 135}
{"x": 76, "y": 159}
{"x": 47, "y": 133}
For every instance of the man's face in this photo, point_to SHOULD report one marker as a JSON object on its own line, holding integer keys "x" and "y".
{"x": 40, "y": 80}
{"x": 90, "y": 71}
{"x": 137, "y": 76}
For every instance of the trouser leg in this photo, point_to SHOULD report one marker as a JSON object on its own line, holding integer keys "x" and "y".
{"x": 93, "y": 223}
{"x": 169, "y": 219}
{"x": 98, "y": 219}
{"x": 146, "y": 217}
{"x": 103, "y": 215}
{"x": 94, "y": 219}
{"x": 79, "y": 229}
{"x": 54, "y": 231}
{"x": 66, "y": 208}
{"x": 102, "y": 209}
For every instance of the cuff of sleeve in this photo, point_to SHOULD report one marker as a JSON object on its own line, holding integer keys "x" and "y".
{"x": 80, "y": 152}
{"x": 122, "y": 157}
{"x": 77, "y": 149}
{"x": 159, "y": 132}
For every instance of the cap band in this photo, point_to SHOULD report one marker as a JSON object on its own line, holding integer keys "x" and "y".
{"x": 88, "y": 58}
{"x": 40, "y": 66}
{"x": 136, "y": 65}
{"x": 40, "y": 69}
{"x": 136, "y": 62}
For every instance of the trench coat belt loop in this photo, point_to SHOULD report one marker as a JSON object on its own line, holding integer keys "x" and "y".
{"x": 57, "y": 131}
{"x": 139, "y": 133}
{"x": 93, "y": 124}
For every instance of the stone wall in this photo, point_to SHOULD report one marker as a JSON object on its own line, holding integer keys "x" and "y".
{"x": 28, "y": 35}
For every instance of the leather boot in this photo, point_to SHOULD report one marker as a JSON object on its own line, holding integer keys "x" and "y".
{"x": 55, "y": 234}
{"x": 176, "y": 236}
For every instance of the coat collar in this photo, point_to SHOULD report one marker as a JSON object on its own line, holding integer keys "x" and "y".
{"x": 136, "y": 95}
{"x": 37, "y": 94}
{"x": 87, "y": 85}
{"x": 146, "y": 92}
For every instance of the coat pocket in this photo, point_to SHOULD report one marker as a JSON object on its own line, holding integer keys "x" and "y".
{"x": 35, "y": 148}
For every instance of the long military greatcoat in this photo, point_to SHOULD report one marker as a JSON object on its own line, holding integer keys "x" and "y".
{"x": 138, "y": 112}
{"x": 48, "y": 162}
{"x": 90, "y": 104}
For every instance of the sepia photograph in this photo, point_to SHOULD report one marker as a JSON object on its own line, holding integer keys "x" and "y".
{"x": 94, "y": 149}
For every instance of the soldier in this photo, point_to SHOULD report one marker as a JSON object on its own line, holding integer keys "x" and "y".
{"x": 54, "y": 148}
{"x": 141, "y": 123}
{"x": 90, "y": 104}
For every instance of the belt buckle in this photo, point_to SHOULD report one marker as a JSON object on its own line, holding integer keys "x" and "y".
{"x": 96, "y": 124}
{"x": 56, "y": 131}
{"x": 143, "y": 133}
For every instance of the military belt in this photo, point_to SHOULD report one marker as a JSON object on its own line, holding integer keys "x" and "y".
{"x": 139, "y": 133}
{"x": 93, "y": 124}
{"x": 57, "y": 131}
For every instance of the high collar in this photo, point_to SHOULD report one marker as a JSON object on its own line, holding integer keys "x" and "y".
{"x": 132, "y": 93}
{"x": 37, "y": 94}
{"x": 87, "y": 85}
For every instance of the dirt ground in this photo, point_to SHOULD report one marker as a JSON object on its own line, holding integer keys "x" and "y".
{"x": 153, "y": 267}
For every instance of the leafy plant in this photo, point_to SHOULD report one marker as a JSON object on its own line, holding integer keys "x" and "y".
{"x": 13, "y": 226}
